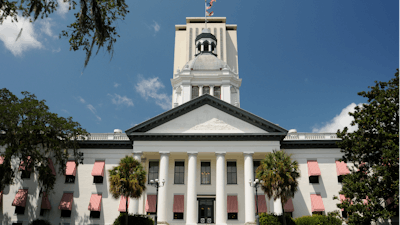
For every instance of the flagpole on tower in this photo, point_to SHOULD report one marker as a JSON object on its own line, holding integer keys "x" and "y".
{"x": 205, "y": 12}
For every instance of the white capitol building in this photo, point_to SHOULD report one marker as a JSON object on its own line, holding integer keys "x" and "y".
{"x": 206, "y": 149}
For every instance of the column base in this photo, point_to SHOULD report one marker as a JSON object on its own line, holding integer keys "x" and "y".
{"x": 250, "y": 223}
{"x": 162, "y": 222}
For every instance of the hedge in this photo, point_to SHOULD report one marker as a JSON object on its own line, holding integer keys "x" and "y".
{"x": 318, "y": 220}
{"x": 134, "y": 219}
{"x": 271, "y": 219}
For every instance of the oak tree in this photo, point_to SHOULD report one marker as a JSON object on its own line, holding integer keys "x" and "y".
{"x": 30, "y": 135}
{"x": 94, "y": 25}
{"x": 371, "y": 190}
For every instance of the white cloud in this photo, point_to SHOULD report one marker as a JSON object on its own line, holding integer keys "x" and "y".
{"x": 121, "y": 100}
{"x": 9, "y": 31}
{"x": 56, "y": 50}
{"x": 116, "y": 84}
{"x": 63, "y": 8}
{"x": 93, "y": 110}
{"x": 149, "y": 88}
{"x": 65, "y": 111}
{"x": 81, "y": 99}
{"x": 156, "y": 26}
{"x": 339, "y": 121}
{"x": 46, "y": 27}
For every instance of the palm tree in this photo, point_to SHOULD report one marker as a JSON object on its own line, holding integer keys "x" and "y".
{"x": 127, "y": 179}
{"x": 278, "y": 175}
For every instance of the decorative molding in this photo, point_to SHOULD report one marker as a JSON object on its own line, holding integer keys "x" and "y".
{"x": 213, "y": 124}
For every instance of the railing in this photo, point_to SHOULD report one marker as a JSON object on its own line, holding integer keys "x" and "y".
{"x": 290, "y": 136}
{"x": 311, "y": 136}
{"x": 107, "y": 136}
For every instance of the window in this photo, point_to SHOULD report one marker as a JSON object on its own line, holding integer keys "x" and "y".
{"x": 232, "y": 174}
{"x": 256, "y": 164}
{"x": 206, "y": 90}
{"x": 178, "y": 216}
{"x": 232, "y": 216}
{"x": 16, "y": 223}
{"x": 95, "y": 214}
{"x": 43, "y": 211}
{"x": 153, "y": 170}
{"x": 179, "y": 177}
{"x": 205, "y": 173}
{"x": 19, "y": 210}
{"x": 340, "y": 178}
{"x": 98, "y": 179}
{"x": 217, "y": 92}
{"x": 70, "y": 179}
{"x": 313, "y": 179}
{"x": 65, "y": 213}
{"x": 25, "y": 174}
{"x": 195, "y": 92}
{"x": 344, "y": 214}
{"x": 318, "y": 213}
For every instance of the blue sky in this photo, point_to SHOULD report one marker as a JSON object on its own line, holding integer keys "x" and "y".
{"x": 302, "y": 62}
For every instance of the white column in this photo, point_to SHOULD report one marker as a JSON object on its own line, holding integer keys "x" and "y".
{"x": 200, "y": 90}
{"x": 163, "y": 205}
{"x": 212, "y": 90}
{"x": 249, "y": 201}
{"x": 191, "y": 193}
{"x": 220, "y": 198}
{"x": 135, "y": 201}
{"x": 278, "y": 207}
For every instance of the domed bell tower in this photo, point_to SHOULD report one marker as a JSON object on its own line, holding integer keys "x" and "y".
{"x": 203, "y": 67}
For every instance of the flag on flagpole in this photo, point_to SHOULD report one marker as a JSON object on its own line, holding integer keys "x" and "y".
{"x": 210, "y": 14}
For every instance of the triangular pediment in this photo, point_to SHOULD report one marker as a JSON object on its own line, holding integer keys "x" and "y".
{"x": 206, "y": 115}
{"x": 206, "y": 119}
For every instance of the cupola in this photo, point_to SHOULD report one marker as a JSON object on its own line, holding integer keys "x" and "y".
{"x": 205, "y": 42}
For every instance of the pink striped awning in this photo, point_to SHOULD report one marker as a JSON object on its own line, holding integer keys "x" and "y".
{"x": 20, "y": 198}
{"x": 22, "y": 166}
{"x": 232, "y": 204}
{"x": 45, "y": 201}
{"x": 317, "y": 205}
{"x": 98, "y": 168}
{"x": 122, "y": 204}
{"x": 289, "y": 206}
{"x": 313, "y": 168}
{"x": 151, "y": 203}
{"x": 66, "y": 201}
{"x": 95, "y": 202}
{"x": 71, "y": 168}
{"x": 179, "y": 206}
{"x": 51, "y": 166}
{"x": 341, "y": 168}
{"x": 262, "y": 204}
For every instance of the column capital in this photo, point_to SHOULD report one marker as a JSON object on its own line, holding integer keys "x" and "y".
{"x": 164, "y": 152}
{"x": 192, "y": 152}
{"x": 137, "y": 152}
{"x": 211, "y": 86}
{"x": 220, "y": 153}
{"x": 248, "y": 153}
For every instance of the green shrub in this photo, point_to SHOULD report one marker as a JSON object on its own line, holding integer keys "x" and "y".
{"x": 134, "y": 219}
{"x": 40, "y": 222}
{"x": 271, "y": 219}
{"x": 318, "y": 220}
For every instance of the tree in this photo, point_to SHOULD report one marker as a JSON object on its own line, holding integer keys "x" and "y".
{"x": 128, "y": 180}
{"x": 278, "y": 175}
{"x": 371, "y": 189}
{"x": 94, "y": 25}
{"x": 31, "y": 134}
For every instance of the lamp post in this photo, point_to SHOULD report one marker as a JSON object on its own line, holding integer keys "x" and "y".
{"x": 155, "y": 183}
{"x": 256, "y": 183}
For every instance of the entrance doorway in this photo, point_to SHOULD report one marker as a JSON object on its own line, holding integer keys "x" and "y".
{"x": 206, "y": 210}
